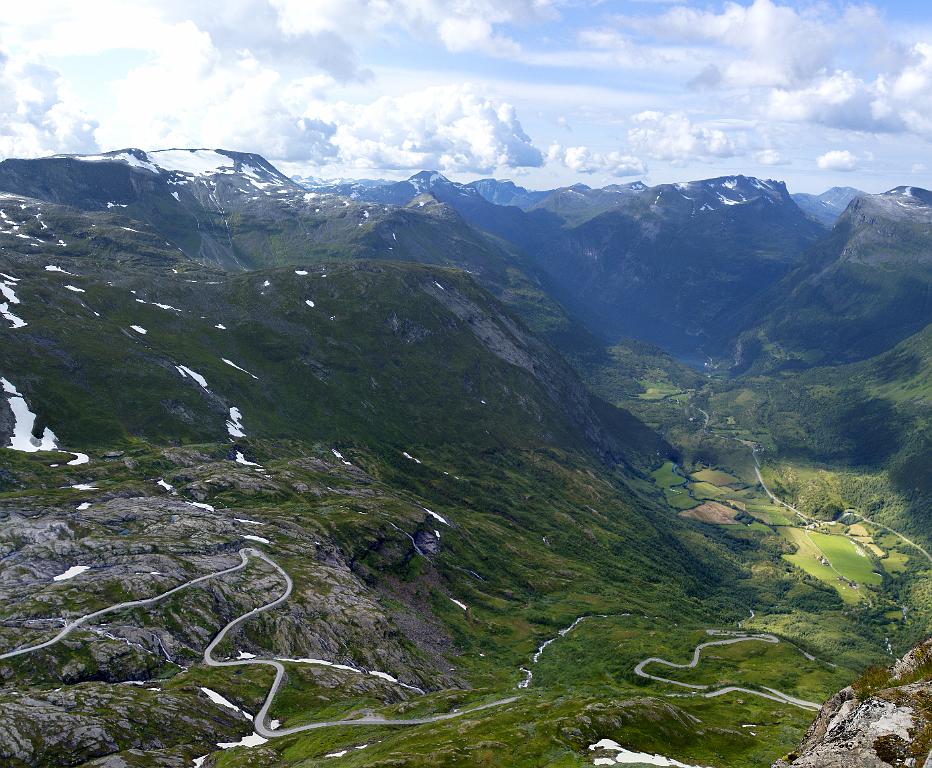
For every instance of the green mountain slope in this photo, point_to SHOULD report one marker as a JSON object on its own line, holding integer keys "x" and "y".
{"x": 863, "y": 289}
{"x": 350, "y": 346}
{"x": 235, "y": 211}
{"x": 317, "y": 417}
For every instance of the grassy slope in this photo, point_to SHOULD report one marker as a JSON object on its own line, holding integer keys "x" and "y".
{"x": 554, "y": 533}
{"x": 551, "y": 559}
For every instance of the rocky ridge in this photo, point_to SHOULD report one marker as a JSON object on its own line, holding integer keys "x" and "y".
{"x": 883, "y": 719}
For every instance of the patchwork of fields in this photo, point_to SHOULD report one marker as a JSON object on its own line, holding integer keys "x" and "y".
{"x": 855, "y": 560}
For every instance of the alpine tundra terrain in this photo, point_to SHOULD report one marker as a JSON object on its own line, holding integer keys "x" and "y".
{"x": 439, "y": 474}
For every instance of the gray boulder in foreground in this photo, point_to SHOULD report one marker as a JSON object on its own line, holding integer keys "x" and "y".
{"x": 884, "y": 719}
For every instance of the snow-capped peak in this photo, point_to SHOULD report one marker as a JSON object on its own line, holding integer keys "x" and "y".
{"x": 195, "y": 162}
{"x": 135, "y": 158}
{"x": 918, "y": 195}
{"x": 425, "y": 180}
{"x": 186, "y": 164}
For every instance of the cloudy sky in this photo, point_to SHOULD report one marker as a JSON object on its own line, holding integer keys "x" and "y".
{"x": 546, "y": 92}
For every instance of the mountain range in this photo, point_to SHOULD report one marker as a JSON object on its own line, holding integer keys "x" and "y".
{"x": 454, "y": 461}
{"x": 691, "y": 267}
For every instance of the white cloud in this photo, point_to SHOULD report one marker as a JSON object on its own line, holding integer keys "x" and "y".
{"x": 770, "y": 157}
{"x": 837, "y": 160}
{"x": 469, "y": 34}
{"x": 817, "y": 64}
{"x": 673, "y": 137}
{"x": 608, "y": 48}
{"x": 326, "y": 34}
{"x": 582, "y": 160}
{"x": 64, "y": 28}
{"x": 918, "y": 168}
{"x": 761, "y": 44}
{"x": 464, "y": 25}
{"x": 36, "y": 114}
{"x": 453, "y": 128}
{"x": 910, "y": 90}
{"x": 839, "y": 100}
{"x": 236, "y": 77}
{"x": 195, "y": 95}
{"x": 56, "y": 28}
{"x": 893, "y": 102}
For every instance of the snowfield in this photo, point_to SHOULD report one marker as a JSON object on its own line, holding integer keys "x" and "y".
{"x": 235, "y": 423}
{"x": 194, "y": 162}
{"x": 234, "y": 365}
{"x": 23, "y": 422}
{"x": 185, "y": 372}
{"x": 73, "y": 571}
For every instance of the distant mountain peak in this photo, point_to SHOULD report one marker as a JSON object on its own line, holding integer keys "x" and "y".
{"x": 427, "y": 174}
{"x": 879, "y": 214}
{"x": 425, "y": 180}
{"x": 706, "y": 195}
{"x": 841, "y": 190}
{"x": 828, "y": 206}
{"x": 506, "y": 192}
{"x": 912, "y": 195}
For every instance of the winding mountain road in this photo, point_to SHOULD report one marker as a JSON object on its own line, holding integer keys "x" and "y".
{"x": 259, "y": 722}
{"x": 729, "y": 638}
{"x": 771, "y": 693}
{"x": 73, "y": 625}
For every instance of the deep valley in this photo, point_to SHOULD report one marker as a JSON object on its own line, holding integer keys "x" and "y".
{"x": 425, "y": 473}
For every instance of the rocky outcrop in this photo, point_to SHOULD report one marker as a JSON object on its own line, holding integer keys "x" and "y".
{"x": 883, "y": 719}
{"x": 70, "y": 726}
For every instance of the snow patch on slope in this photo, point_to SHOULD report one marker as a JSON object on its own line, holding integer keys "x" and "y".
{"x": 8, "y": 289}
{"x": 235, "y": 423}
{"x": 627, "y": 757}
{"x": 73, "y": 571}
{"x": 185, "y": 372}
{"x": 23, "y": 422}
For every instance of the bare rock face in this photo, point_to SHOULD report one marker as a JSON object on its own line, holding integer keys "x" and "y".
{"x": 913, "y": 661}
{"x": 74, "y": 725}
{"x": 427, "y": 542}
{"x": 883, "y": 720}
